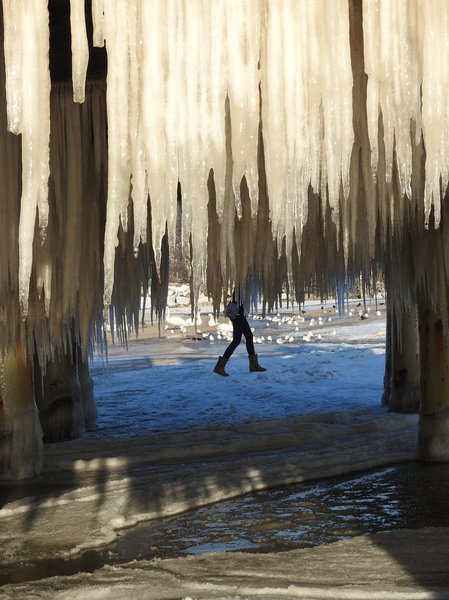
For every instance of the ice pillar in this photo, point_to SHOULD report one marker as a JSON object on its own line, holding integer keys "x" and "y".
{"x": 434, "y": 414}
{"x": 64, "y": 397}
{"x": 433, "y": 320}
{"x": 405, "y": 378}
{"x": 21, "y": 447}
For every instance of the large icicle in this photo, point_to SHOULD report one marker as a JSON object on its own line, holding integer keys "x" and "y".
{"x": 273, "y": 114}
{"x": 116, "y": 21}
{"x": 216, "y": 97}
{"x": 243, "y": 55}
{"x": 371, "y": 46}
{"x": 434, "y": 104}
{"x": 153, "y": 104}
{"x": 297, "y": 131}
{"x": 336, "y": 99}
{"x": 98, "y": 22}
{"x": 28, "y": 90}
{"x": 194, "y": 161}
{"x": 13, "y": 42}
{"x": 139, "y": 192}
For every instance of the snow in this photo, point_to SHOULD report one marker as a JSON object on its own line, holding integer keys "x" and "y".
{"x": 173, "y": 436}
{"x": 303, "y": 378}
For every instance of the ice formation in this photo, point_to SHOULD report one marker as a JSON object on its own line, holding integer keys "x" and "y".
{"x": 80, "y": 50}
{"x": 28, "y": 100}
{"x": 258, "y": 111}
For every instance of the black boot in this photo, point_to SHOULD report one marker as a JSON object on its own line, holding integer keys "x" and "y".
{"x": 254, "y": 363}
{"x": 220, "y": 366}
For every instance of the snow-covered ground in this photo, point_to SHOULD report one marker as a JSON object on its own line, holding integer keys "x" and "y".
{"x": 173, "y": 436}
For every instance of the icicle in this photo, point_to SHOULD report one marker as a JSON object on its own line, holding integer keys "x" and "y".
{"x": 295, "y": 107}
{"x": 243, "y": 54}
{"x": 393, "y": 65}
{"x": 44, "y": 275}
{"x": 13, "y": 41}
{"x": 273, "y": 115}
{"x": 434, "y": 104}
{"x": 153, "y": 104}
{"x": 216, "y": 97}
{"x": 194, "y": 160}
{"x": 313, "y": 79}
{"x": 337, "y": 99}
{"x": 116, "y": 34}
{"x": 98, "y": 23}
{"x": 28, "y": 89}
{"x": 297, "y": 39}
{"x": 371, "y": 45}
{"x": 174, "y": 115}
{"x": 139, "y": 192}
{"x": 80, "y": 50}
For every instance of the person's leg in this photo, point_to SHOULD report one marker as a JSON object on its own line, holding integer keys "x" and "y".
{"x": 237, "y": 330}
{"x": 246, "y": 330}
{"x": 253, "y": 360}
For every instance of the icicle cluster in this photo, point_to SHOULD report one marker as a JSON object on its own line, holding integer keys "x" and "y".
{"x": 435, "y": 109}
{"x": 306, "y": 108}
{"x": 394, "y": 67}
{"x": 171, "y": 68}
{"x": 257, "y": 109}
{"x": 406, "y": 50}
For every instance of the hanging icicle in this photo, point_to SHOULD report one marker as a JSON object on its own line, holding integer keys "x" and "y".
{"x": 394, "y": 67}
{"x": 80, "y": 50}
{"x": 117, "y": 17}
{"x": 435, "y": 110}
{"x": 190, "y": 86}
{"x": 243, "y": 35}
{"x": 28, "y": 92}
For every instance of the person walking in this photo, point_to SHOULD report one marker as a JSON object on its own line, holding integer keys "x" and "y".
{"x": 240, "y": 326}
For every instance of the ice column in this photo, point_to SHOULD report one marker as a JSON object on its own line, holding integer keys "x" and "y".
{"x": 28, "y": 95}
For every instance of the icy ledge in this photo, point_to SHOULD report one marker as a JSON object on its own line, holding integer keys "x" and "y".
{"x": 402, "y": 565}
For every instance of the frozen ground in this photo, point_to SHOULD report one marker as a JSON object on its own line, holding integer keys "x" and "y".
{"x": 173, "y": 436}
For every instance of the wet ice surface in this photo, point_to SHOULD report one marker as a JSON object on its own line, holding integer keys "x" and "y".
{"x": 411, "y": 495}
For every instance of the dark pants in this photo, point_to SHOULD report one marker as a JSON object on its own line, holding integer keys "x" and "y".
{"x": 240, "y": 327}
